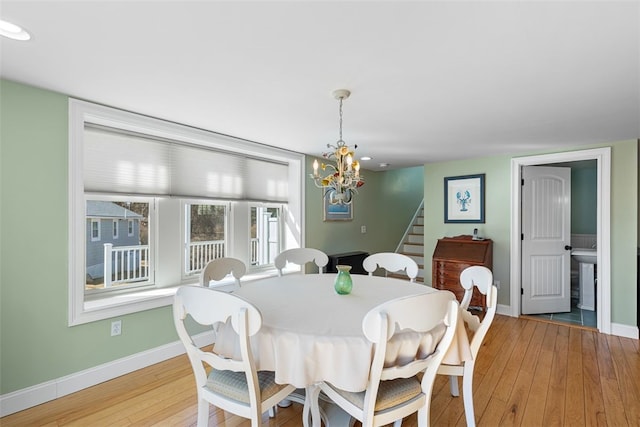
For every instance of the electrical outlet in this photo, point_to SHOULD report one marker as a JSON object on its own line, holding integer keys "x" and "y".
{"x": 497, "y": 283}
{"x": 363, "y": 229}
{"x": 116, "y": 327}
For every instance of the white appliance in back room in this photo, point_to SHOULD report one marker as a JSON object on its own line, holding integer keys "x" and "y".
{"x": 587, "y": 259}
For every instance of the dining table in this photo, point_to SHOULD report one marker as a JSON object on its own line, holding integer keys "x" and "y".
{"x": 310, "y": 333}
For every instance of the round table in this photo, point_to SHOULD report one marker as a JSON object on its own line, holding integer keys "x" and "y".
{"x": 311, "y": 334}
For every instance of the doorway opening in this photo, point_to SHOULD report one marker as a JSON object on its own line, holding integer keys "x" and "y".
{"x": 603, "y": 291}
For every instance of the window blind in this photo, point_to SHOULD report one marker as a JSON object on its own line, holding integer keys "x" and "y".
{"x": 124, "y": 162}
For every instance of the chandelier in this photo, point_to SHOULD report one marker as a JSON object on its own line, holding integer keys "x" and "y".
{"x": 341, "y": 177}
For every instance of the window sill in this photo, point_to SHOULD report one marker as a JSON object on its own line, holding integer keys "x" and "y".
{"x": 121, "y": 304}
{"x": 134, "y": 302}
{"x": 129, "y": 298}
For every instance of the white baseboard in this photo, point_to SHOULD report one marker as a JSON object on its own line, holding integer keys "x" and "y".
{"x": 54, "y": 389}
{"x": 26, "y": 398}
{"x": 617, "y": 329}
{"x": 505, "y": 310}
{"x": 624, "y": 331}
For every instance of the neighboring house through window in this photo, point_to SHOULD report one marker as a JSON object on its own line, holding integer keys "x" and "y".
{"x": 117, "y": 262}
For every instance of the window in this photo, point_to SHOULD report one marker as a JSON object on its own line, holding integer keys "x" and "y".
{"x": 125, "y": 263}
{"x": 95, "y": 230}
{"x": 206, "y": 225}
{"x": 264, "y": 231}
{"x": 184, "y": 194}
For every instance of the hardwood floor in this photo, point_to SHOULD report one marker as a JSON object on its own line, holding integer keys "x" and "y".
{"x": 528, "y": 373}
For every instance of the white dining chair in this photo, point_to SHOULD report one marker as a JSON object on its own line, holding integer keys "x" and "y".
{"x": 301, "y": 256}
{"x": 481, "y": 278}
{"x": 233, "y": 385}
{"x": 217, "y": 269}
{"x": 391, "y": 262}
{"x": 394, "y": 389}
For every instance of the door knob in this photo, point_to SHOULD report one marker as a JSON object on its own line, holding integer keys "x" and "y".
{"x": 567, "y": 248}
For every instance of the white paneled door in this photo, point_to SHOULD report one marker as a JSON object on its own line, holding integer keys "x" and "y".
{"x": 546, "y": 228}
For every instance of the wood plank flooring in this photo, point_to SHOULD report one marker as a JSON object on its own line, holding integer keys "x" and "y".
{"x": 529, "y": 373}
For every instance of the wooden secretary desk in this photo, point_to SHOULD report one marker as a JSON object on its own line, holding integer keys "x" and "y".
{"x": 454, "y": 254}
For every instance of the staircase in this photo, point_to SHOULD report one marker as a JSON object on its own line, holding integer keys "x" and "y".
{"x": 412, "y": 243}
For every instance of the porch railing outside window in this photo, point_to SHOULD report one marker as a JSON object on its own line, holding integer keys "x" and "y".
{"x": 125, "y": 264}
{"x": 200, "y": 253}
{"x": 254, "y": 251}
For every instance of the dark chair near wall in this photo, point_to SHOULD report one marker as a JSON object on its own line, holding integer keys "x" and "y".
{"x": 354, "y": 259}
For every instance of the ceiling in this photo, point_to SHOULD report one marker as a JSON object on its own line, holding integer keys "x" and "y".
{"x": 430, "y": 80}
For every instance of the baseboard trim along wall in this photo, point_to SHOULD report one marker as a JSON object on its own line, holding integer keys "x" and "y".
{"x": 617, "y": 329}
{"x": 505, "y": 310}
{"x": 50, "y": 390}
{"x": 26, "y": 398}
{"x": 625, "y": 331}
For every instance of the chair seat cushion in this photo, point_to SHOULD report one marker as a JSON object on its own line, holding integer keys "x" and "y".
{"x": 390, "y": 393}
{"x": 234, "y": 384}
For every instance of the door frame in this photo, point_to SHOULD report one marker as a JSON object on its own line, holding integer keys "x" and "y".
{"x": 603, "y": 293}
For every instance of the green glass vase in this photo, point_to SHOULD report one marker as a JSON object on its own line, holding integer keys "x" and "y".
{"x": 343, "y": 283}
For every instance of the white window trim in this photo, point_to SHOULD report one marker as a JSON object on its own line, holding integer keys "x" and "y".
{"x": 83, "y": 311}
{"x": 114, "y": 229}
{"x": 130, "y": 227}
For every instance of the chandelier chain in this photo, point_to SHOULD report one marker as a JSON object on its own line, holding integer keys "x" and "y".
{"x": 340, "y": 119}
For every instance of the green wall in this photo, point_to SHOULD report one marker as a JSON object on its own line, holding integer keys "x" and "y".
{"x": 497, "y": 211}
{"x": 36, "y": 345}
{"x": 624, "y": 223}
{"x": 384, "y": 205}
{"x": 584, "y": 199}
{"x": 624, "y": 219}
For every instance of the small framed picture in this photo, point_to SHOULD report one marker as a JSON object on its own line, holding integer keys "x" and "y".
{"x": 337, "y": 212}
{"x": 464, "y": 199}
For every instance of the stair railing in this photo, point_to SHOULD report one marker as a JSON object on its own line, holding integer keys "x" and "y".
{"x": 409, "y": 228}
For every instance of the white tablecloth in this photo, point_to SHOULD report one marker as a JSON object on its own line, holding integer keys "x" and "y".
{"x": 311, "y": 334}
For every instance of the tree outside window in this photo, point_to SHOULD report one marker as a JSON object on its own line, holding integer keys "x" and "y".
{"x": 206, "y": 236}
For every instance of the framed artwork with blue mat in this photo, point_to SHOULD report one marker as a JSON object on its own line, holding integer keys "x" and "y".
{"x": 464, "y": 199}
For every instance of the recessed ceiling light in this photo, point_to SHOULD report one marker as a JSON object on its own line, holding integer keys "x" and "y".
{"x": 13, "y": 31}
{"x": 365, "y": 158}
{"x": 384, "y": 165}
